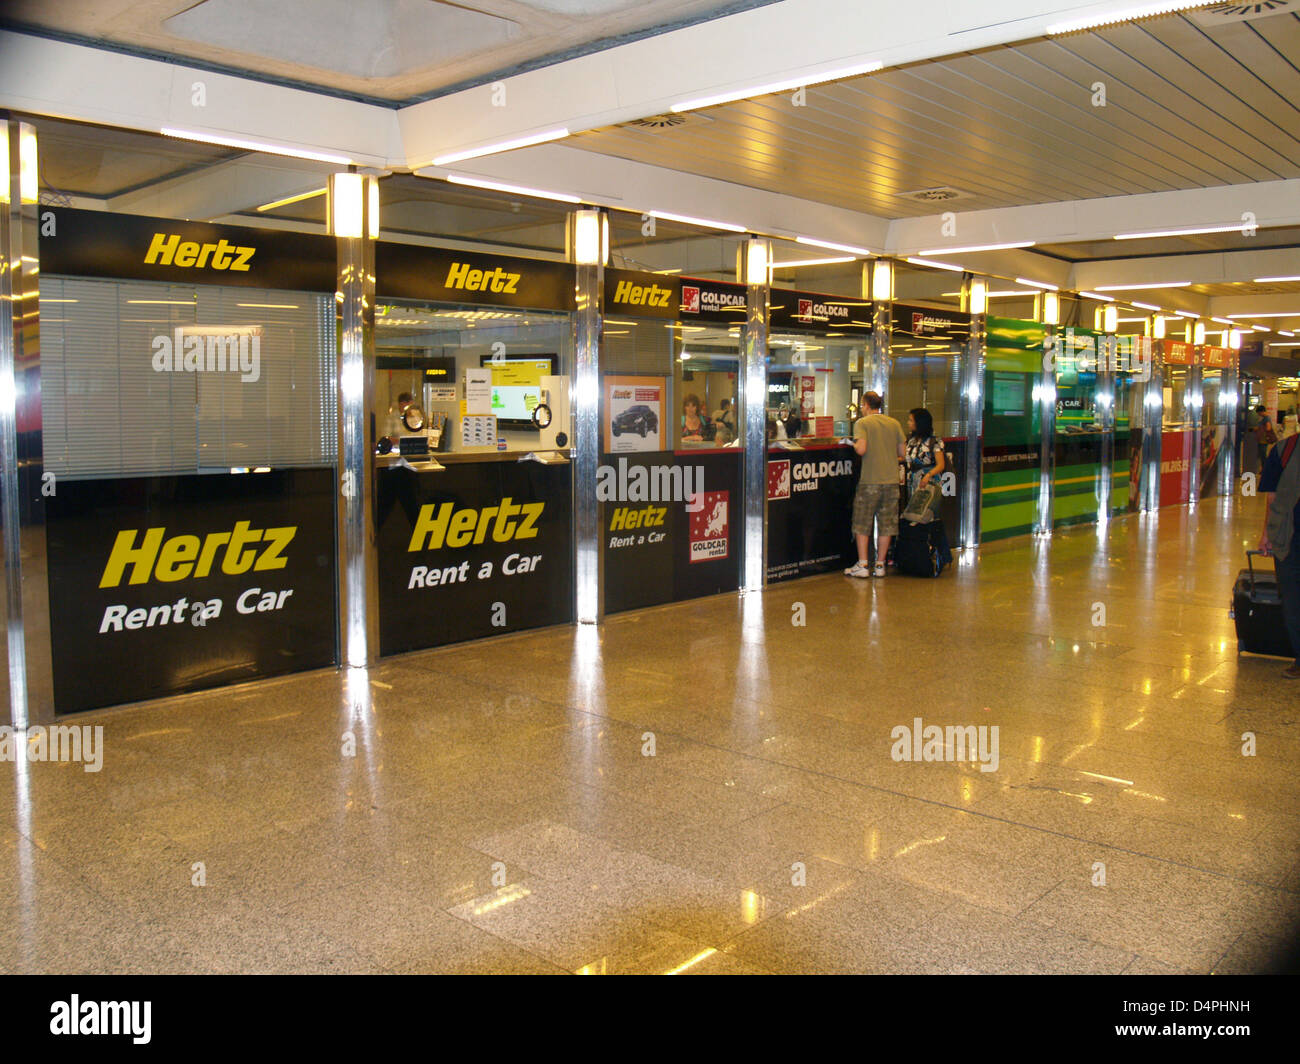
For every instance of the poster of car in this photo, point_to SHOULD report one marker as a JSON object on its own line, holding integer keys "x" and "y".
{"x": 634, "y": 414}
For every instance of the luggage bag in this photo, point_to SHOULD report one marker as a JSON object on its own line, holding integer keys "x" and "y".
{"x": 921, "y": 549}
{"x": 1257, "y": 612}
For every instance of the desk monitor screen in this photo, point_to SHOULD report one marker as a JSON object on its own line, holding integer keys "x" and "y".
{"x": 517, "y": 387}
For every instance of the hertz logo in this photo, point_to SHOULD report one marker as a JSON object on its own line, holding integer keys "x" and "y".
{"x": 168, "y": 250}
{"x": 444, "y": 525}
{"x": 649, "y": 295}
{"x": 181, "y": 557}
{"x": 462, "y": 276}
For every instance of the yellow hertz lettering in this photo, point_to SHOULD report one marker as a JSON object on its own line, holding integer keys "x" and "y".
{"x": 462, "y": 276}
{"x": 167, "y": 249}
{"x": 649, "y": 295}
{"x": 647, "y": 517}
{"x": 182, "y": 557}
{"x": 443, "y": 525}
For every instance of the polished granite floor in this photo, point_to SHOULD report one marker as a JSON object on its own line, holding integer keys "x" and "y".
{"x": 502, "y": 812}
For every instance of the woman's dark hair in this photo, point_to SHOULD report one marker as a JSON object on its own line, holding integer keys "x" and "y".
{"x": 691, "y": 397}
{"x": 924, "y": 423}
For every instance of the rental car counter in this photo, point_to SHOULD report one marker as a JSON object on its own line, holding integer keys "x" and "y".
{"x": 473, "y": 484}
{"x": 817, "y": 343}
{"x": 186, "y": 433}
{"x": 670, "y": 488}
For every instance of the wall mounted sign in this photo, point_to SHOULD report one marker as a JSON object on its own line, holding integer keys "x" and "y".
{"x": 77, "y": 243}
{"x": 409, "y": 271}
{"x": 930, "y": 323}
{"x": 196, "y": 581}
{"x": 811, "y": 310}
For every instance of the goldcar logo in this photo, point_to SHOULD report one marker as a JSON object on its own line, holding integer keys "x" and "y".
{"x": 167, "y": 249}
{"x": 440, "y": 525}
{"x": 182, "y": 557}
{"x": 461, "y": 275}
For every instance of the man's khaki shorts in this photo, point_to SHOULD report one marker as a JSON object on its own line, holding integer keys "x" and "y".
{"x": 878, "y": 503}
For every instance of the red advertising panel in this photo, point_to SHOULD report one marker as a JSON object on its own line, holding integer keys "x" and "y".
{"x": 1178, "y": 353}
{"x": 1175, "y": 468}
{"x": 1216, "y": 357}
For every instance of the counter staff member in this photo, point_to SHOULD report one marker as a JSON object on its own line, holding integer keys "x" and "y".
{"x": 396, "y": 427}
{"x": 695, "y": 426}
{"x": 880, "y": 441}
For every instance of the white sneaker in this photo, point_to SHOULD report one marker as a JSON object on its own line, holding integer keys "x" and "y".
{"x": 880, "y": 569}
{"x": 859, "y": 569}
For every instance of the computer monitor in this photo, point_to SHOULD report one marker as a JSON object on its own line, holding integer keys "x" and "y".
{"x": 517, "y": 387}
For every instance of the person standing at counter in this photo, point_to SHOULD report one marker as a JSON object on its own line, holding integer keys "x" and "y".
{"x": 695, "y": 426}
{"x": 879, "y": 439}
{"x": 924, "y": 453}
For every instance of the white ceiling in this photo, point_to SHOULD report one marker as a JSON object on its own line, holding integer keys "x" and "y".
{"x": 398, "y": 50}
{"x": 1186, "y": 106}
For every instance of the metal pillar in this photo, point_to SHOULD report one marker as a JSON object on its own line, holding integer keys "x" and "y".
{"x": 1047, "y": 431}
{"x": 1229, "y": 403}
{"x": 1105, "y": 403}
{"x": 972, "y": 392}
{"x": 23, "y": 487}
{"x": 1153, "y": 417}
{"x": 356, "y": 225}
{"x": 755, "y": 255}
{"x": 589, "y": 282}
{"x": 1195, "y": 403}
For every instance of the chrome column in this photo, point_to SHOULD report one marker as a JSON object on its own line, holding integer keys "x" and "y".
{"x": 1047, "y": 430}
{"x": 354, "y": 208}
{"x": 1229, "y": 403}
{"x": 589, "y": 290}
{"x": 1196, "y": 404}
{"x": 1153, "y": 416}
{"x": 23, "y": 488}
{"x": 1105, "y": 402}
{"x": 755, "y": 255}
{"x": 972, "y": 408}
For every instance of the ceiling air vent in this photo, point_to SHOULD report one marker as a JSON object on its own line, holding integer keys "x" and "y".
{"x": 943, "y": 194}
{"x": 656, "y": 123}
{"x": 1217, "y": 14}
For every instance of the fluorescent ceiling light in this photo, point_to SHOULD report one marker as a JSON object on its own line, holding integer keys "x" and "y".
{"x": 271, "y": 306}
{"x": 254, "y": 145}
{"x": 1147, "y": 306}
{"x": 697, "y": 221}
{"x": 505, "y": 145}
{"x": 292, "y": 199}
{"x": 518, "y": 190}
{"x": 809, "y": 262}
{"x": 1123, "y": 15}
{"x": 935, "y": 265}
{"x": 777, "y": 86}
{"x": 1222, "y": 321}
{"x": 1261, "y": 328}
{"x": 1270, "y": 314}
{"x": 1186, "y": 314}
{"x": 979, "y": 247}
{"x": 1038, "y": 284}
{"x": 1137, "y": 287}
{"x": 1094, "y": 295}
{"x": 834, "y": 247}
{"x": 1283, "y": 332}
{"x": 1275, "y": 280}
{"x": 1005, "y": 293}
{"x": 1181, "y": 232}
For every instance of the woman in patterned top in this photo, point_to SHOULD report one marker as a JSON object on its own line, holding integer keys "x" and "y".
{"x": 924, "y": 454}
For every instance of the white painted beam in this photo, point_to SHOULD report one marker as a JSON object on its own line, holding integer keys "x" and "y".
{"x": 61, "y": 80}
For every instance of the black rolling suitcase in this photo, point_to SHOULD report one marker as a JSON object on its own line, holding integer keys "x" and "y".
{"x": 1257, "y": 612}
{"x": 921, "y": 549}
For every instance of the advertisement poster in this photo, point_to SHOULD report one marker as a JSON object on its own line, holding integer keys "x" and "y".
{"x": 810, "y": 512}
{"x": 658, "y": 550}
{"x": 1213, "y": 457}
{"x": 478, "y": 391}
{"x": 198, "y": 581}
{"x": 1175, "y": 468}
{"x": 634, "y": 414}
{"x": 472, "y": 550}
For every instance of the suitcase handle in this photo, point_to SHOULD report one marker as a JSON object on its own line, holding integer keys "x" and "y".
{"x": 1251, "y": 565}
